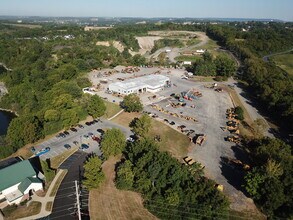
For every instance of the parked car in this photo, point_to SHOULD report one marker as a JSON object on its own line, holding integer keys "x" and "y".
{"x": 97, "y": 120}
{"x": 66, "y": 132}
{"x": 84, "y": 147}
{"x": 172, "y": 95}
{"x": 73, "y": 129}
{"x": 88, "y": 123}
{"x": 80, "y": 126}
{"x": 130, "y": 139}
{"x": 75, "y": 142}
{"x": 33, "y": 149}
{"x": 97, "y": 139}
{"x": 166, "y": 120}
{"x": 67, "y": 146}
{"x": 172, "y": 123}
{"x": 86, "y": 136}
{"x": 90, "y": 134}
{"x": 43, "y": 151}
{"x": 101, "y": 131}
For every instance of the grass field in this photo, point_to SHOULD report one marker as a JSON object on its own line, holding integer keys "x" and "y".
{"x": 107, "y": 202}
{"x": 112, "y": 109}
{"x": 188, "y": 58}
{"x": 172, "y": 141}
{"x": 285, "y": 62}
{"x": 23, "y": 211}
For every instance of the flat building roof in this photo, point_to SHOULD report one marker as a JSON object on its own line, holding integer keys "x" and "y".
{"x": 149, "y": 81}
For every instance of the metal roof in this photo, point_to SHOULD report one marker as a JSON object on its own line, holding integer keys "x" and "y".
{"x": 152, "y": 81}
{"x": 15, "y": 174}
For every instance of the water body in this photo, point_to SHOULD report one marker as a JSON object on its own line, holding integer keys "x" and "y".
{"x": 5, "y": 119}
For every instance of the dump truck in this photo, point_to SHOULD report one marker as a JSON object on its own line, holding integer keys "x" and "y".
{"x": 188, "y": 160}
{"x": 200, "y": 139}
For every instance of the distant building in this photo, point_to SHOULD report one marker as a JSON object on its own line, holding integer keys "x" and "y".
{"x": 18, "y": 181}
{"x": 201, "y": 51}
{"x": 187, "y": 62}
{"x": 150, "y": 83}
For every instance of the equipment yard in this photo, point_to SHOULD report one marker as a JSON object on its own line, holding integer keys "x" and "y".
{"x": 197, "y": 110}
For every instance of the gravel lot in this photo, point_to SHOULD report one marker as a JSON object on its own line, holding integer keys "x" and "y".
{"x": 210, "y": 112}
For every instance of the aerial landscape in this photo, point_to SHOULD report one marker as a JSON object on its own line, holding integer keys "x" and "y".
{"x": 146, "y": 109}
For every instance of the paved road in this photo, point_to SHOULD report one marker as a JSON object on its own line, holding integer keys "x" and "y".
{"x": 57, "y": 144}
{"x": 266, "y": 58}
{"x": 65, "y": 201}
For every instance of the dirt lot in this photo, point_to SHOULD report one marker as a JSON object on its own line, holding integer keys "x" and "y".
{"x": 115, "y": 44}
{"x": 107, "y": 202}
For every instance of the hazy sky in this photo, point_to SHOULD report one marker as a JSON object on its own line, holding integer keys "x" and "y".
{"x": 277, "y": 9}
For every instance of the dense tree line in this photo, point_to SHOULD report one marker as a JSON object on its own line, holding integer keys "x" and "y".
{"x": 221, "y": 66}
{"x": 46, "y": 80}
{"x": 270, "y": 183}
{"x": 268, "y": 83}
{"x": 171, "y": 190}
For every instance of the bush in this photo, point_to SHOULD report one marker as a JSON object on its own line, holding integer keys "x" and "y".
{"x": 221, "y": 78}
{"x": 239, "y": 111}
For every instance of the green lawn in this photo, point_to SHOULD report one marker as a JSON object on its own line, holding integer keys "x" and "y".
{"x": 284, "y": 61}
{"x": 188, "y": 58}
{"x": 112, "y": 109}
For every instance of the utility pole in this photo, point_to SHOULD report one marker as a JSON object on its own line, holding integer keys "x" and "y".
{"x": 77, "y": 200}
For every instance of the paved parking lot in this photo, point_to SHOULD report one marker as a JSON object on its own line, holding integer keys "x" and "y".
{"x": 57, "y": 144}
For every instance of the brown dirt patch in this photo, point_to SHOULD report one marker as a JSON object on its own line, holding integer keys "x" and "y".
{"x": 107, "y": 202}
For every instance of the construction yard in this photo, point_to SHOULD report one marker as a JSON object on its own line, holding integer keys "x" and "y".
{"x": 198, "y": 111}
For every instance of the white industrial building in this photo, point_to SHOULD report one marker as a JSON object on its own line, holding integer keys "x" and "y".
{"x": 150, "y": 83}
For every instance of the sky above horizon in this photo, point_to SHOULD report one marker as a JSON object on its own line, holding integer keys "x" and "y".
{"x": 274, "y": 9}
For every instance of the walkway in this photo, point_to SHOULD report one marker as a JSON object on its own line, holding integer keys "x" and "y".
{"x": 45, "y": 199}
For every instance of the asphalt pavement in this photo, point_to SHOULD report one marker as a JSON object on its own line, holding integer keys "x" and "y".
{"x": 65, "y": 205}
{"x": 57, "y": 144}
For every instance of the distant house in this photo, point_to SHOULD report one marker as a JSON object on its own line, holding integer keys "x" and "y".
{"x": 201, "y": 51}
{"x": 18, "y": 181}
{"x": 187, "y": 62}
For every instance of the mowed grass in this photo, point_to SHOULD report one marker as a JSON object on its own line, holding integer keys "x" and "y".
{"x": 108, "y": 202}
{"x": 171, "y": 140}
{"x": 285, "y": 62}
{"x": 188, "y": 58}
{"x": 23, "y": 211}
{"x": 112, "y": 109}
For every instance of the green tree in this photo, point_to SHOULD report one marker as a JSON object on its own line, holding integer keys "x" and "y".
{"x": 132, "y": 103}
{"x": 48, "y": 172}
{"x": 125, "y": 177}
{"x": 113, "y": 142}
{"x": 253, "y": 181}
{"x": 239, "y": 112}
{"x": 96, "y": 107}
{"x": 225, "y": 66}
{"x": 69, "y": 118}
{"x": 52, "y": 115}
{"x": 93, "y": 173}
{"x": 141, "y": 126}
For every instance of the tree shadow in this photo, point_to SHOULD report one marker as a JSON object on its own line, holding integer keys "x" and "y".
{"x": 233, "y": 169}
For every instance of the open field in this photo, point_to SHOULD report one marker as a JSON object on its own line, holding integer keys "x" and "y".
{"x": 109, "y": 203}
{"x": 188, "y": 58}
{"x": 112, "y": 109}
{"x": 171, "y": 141}
{"x": 32, "y": 209}
{"x": 31, "y": 26}
{"x": 115, "y": 44}
{"x": 285, "y": 62}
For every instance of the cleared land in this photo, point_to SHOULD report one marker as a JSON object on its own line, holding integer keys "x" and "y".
{"x": 171, "y": 141}
{"x": 107, "y": 202}
{"x": 115, "y": 44}
{"x": 285, "y": 62}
